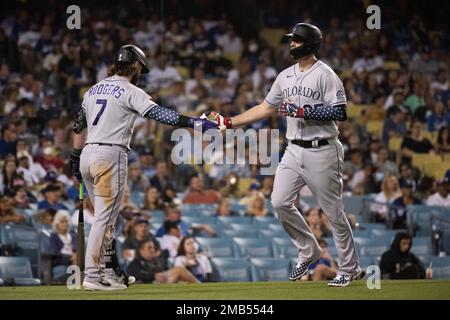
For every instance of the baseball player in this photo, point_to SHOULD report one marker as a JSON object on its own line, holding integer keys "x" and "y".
{"x": 312, "y": 98}
{"x": 99, "y": 158}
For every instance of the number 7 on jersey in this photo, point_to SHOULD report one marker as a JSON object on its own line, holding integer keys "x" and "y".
{"x": 102, "y": 102}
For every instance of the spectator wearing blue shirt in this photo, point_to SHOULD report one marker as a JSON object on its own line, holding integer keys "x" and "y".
{"x": 52, "y": 195}
{"x": 398, "y": 209}
{"x": 439, "y": 117}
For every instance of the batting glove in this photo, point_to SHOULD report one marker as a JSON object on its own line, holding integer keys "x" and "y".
{"x": 204, "y": 123}
{"x": 289, "y": 109}
{"x": 222, "y": 122}
{"x": 75, "y": 164}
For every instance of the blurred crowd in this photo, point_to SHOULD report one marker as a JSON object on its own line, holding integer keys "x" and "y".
{"x": 398, "y": 75}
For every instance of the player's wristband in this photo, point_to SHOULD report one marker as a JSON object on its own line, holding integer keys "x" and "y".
{"x": 227, "y": 123}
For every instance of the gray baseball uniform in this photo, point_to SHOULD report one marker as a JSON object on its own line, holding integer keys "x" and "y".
{"x": 320, "y": 167}
{"x": 111, "y": 107}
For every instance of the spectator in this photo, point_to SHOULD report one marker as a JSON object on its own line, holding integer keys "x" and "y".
{"x": 9, "y": 177}
{"x": 267, "y": 186}
{"x": 8, "y": 140}
{"x": 441, "y": 197}
{"x": 173, "y": 214}
{"x": 438, "y": 118}
{"x": 162, "y": 76}
{"x": 137, "y": 182}
{"x": 399, "y": 262}
{"x": 415, "y": 143}
{"x": 49, "y": 159}
{"x": 52, "y": 198}
{"x": 161, "y": 179}
{"x": 443, "y": 141}
{"x": 440, "y": 84}
{"x": 171, "y": 239}
{"x": 230, "y": 42}
{"x": 8, "y": 213}
{"x": 363, "y": 181}
{"x": 323, "y": 269}
{"x": 257, "y": 206}
{"x": 197, "y": 194}
{"x": 197, "y": 263}
{"x": 177, "y": 97}
{"x": 406, "y": 174}
{"x": 140, "y": 233}
{"x": 390, "y": 191}
{"x": 152, "y": 200}
{"x": 224, "y": 209}
{"x": 417, "y": 98}
{"x": 385, "y": 167}
{"x": 32, "y": 173}
{"x": 231, "y": 188}
{"x": 63, "y": 241}
{"x": 148, "y": 267}
{"x": 146, "y": 159}
{"x": 399, "y": 205}
{"x": 394, "y": 126}
{"x": 316, "y": 222}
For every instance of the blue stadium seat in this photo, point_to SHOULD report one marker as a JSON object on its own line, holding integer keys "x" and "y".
{"x": 225, "y": 232}
{"x": 239, "y": 208}
{"x": 240, "y": 220}
{"x": 371, "y": 247}
{"x": 384, "y": 233}
{"x": 371, "y": 226}
{"x": 441, "y": 268}
{"x": 156, "y": 214}
{"x": 231, "y": 269}
{"x": 26, "y": 241}
{"x": 264, "y": 221}
{"x": 190, "y": 212}
{"x": 353, "y": 204}
{"x": 137, "y": 198}
{"x": 276, "y": 227}
{"x": 310, "y": 201}
{"x": 268, "y": 234}
{"x": 18, "y": 269}
{"x": 284, "y": 248}
{"x": 243, "y": 227}
{"x": 425, "y": 259}
{"x": 365, "y": 261}
{"x": 421, "y": 246}
{"x": 269, "y": 269}
{"x": 217, "y": 247}
{"x": 331, "y": 247}
{"x": 253, "y": 247}
{"x": 361, "y": 233}
{"x": 200, "y": 220}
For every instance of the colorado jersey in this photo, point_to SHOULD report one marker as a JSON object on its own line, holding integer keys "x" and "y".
{"x": 112, "y": 106}
{"x": 313, "y": 88}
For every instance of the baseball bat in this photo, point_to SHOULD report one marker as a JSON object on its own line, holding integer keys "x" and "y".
{"x": 80, "y": 230}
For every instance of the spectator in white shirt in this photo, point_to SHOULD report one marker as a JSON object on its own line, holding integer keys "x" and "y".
{"x": 171, "y": 240}
{"x": 162, "y": 76}
{"x": 230, "y": 42}
{"x": 369, "y": 62}
{"x": 262, "y": 76}
{"x": 441, "y": 197}
{"x": 145, "y": 38}
{"x": 197, "y": 263}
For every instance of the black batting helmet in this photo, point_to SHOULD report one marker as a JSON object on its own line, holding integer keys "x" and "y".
{"x": 130, "y": 54}
{"x": 310, "y": 35}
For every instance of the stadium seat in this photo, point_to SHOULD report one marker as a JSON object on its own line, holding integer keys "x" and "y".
{"x": 384, "y": 233}
{"x": 353, "y": 204}
{"x": 137, "y": 198}
{"x": 425, "y": 260}
{"x": 269, "y": 234}
{"x": 264, "y": 221}
{"x": 284, "y": 248}
{"x": 276, "y": 227}
{"x": 371, "y": 247}
{"x": 253, "y": 247}
{"x": 375, "y": 127}
{"x": 441, "y": 268}
{"x": 18, "y": 270}
{"x": 365, "y": 261}
{"x": 361, "y": 233}
{"x": 240, "y": 220}
{"x": 272, "y": 36}
{"x": 237, "y": 233}
{"x": 269, "y": 269}
{"x": 370, "y": 226}
{"x": 26, "y": 242}
{"x": 231, "y": 269}
{"x": 217, "y": 247}
{"x": 395, "y": 143}
{"x": 243, "y": 227}
{"x": 310, "y": 201}
{"x": 200, "y": 220}
{"x": 421, "y": 246}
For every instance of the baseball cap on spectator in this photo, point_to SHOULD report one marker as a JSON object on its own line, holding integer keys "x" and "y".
{"x": 51, "y": 176}
{"x": 139, "y": 219}
{"x": 50, "y": 188}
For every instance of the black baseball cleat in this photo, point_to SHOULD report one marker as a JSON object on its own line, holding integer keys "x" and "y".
{"x": 300, "y": 269}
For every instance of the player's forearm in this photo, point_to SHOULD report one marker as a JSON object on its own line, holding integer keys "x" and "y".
{"x": 79, "y": 139}
{"x": 326, "y": 113}
{"x": 169, "y": 117}
{"x": 259, "y": 112}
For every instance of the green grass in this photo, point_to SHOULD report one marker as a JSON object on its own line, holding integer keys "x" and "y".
{"x": 415, "y": 289}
